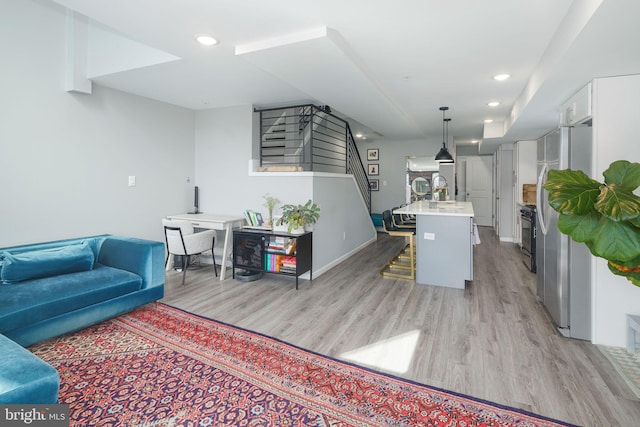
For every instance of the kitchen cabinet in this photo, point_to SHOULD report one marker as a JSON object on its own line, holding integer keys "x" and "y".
{"x": 444, "y": 242}
{"x": 577, "y": 109}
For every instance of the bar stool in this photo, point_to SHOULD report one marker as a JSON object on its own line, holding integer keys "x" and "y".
{"x": 403, "y": 264}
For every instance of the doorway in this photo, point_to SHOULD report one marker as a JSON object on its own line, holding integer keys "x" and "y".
{"x": 479, "y": 188}
{"x": 419, "y": 178}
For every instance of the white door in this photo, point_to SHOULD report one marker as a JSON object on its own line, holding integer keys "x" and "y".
{"x": 480, "y": 188}
{"x": 461, "y": 177}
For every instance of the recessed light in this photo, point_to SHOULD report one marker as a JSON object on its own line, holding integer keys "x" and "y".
{"x": 474, "y": 141}
{"x": 501, "y": 77}
{"x": 206, "y": 39}
{"x": 493, "y": 104}
{"x": 358, "y": 135}
{"x": 488, "y": 120}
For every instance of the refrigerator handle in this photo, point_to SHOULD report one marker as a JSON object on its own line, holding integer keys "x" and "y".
{"x": 539, "y": 201}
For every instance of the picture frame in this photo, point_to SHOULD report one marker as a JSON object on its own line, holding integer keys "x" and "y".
{"x": 374, "y": 184}
{"x": 373, "y": 154}
{"x": 374, "y": 169}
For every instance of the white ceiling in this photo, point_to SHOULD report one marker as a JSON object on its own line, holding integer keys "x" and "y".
{"x": 387, "y": 65}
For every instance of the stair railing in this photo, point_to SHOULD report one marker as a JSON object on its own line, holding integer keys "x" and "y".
{"x": 310, "y": 138}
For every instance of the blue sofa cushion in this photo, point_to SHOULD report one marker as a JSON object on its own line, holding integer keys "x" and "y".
{"x": 35, "y": 300}
{"x": 25, "y": 266}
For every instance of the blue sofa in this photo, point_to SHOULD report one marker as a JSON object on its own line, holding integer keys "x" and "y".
{"x": 48, "y": 289}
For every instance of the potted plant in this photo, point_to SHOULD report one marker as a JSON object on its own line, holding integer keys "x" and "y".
{"x": 604, "y": 216}
{"x": 296, "y": 217}
{"x": 270, "y": 203}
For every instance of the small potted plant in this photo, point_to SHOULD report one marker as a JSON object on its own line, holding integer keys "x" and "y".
{"x": 297, "y": 217}
{"x": 604, "y": 216}
{"x": 270, "y": 203}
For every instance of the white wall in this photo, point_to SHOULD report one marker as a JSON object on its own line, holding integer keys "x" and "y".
{"x": 393, "y": 168}
{"x": 65, "y": 158}
{"x": 616, "y": 129}
{"x": 223, "y": 141}
{"x": 345, "y": 225}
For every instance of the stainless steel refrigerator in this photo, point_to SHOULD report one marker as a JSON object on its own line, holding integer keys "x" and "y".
{"x": 563, "y": 266}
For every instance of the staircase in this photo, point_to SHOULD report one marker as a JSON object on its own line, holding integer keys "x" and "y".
{"x": 310, "y": 138}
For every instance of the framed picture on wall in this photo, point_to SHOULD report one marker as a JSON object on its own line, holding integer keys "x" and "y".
{"x": 373, "y": 154}
{"x": 373, "y": 184}
{"x": 374, "y": 169}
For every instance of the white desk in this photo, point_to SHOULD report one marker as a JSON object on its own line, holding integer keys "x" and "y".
{"x": 215, "y": 222}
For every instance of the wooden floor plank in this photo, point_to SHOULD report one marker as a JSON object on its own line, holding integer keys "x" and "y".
{"x": 491, "y": 340}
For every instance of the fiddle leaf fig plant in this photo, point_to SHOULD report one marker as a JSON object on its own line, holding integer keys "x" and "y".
{"x": 604, "y": 216}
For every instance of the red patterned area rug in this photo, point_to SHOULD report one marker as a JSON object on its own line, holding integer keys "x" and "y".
{"x": 161, "y": 366}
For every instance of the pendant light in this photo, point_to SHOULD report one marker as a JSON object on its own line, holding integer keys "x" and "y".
{"x": 443, "y": 155}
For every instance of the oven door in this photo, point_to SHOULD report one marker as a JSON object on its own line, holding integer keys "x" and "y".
{"x": 528, "y": 243}
{"x": 526, "y": 234}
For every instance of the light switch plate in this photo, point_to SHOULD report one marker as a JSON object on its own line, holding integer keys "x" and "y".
{"x": 132, "y": 181}
{"x": 429, "y": 236}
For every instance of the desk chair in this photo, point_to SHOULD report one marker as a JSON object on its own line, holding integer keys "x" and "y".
{"x": 181, "y": 240}
{"x": 403, "y": 264}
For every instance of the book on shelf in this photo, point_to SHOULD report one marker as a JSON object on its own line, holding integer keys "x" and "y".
{"x": 281, "y": 244}
{"x": 288, "y": 264}
{"x": 254, "y": 220}
{"x": 272, "y": 263}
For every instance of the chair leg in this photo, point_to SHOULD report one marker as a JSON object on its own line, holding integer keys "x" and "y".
{"x": 185, "y": 264}
{"x": 166, "y": 261}
{"x": 213, "y": 255}
{"x": 398, "y": 266}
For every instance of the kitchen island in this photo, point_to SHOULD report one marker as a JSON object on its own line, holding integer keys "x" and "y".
{"x": 444, "y": 242}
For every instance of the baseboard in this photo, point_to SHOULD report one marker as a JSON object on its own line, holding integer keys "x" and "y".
{"x": 507, "y": 239}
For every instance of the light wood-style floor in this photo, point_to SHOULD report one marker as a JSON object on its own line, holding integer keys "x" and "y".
{"x": 492, "y": 341}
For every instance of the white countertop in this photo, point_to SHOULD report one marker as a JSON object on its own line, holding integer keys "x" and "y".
{"x": 448, "y": 208}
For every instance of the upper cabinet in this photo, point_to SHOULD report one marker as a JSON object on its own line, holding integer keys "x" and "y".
{"x": 577, "y": 109}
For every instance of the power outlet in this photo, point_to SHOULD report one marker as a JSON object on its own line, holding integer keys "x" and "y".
{"x": 429, "y": 236}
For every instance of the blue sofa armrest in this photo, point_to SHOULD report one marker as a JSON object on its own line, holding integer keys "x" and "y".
{"x": 24, "y": 378}
{"x": 142, "y": 257}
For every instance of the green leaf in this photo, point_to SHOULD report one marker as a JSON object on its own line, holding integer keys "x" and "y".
{"x": 617, "y": 203}
{"x": 615, "y": 241}
{"x": 623, "y": 173}
{"x": 567, "y": 176}
{"x": 632, "y": 276}
{"x": 581, "y": 228}
{"x": 633, "y": 263}
{"x": 571, "y": 192}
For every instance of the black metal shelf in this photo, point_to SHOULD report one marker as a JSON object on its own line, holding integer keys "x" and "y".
{"x": 251, "y": 252}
